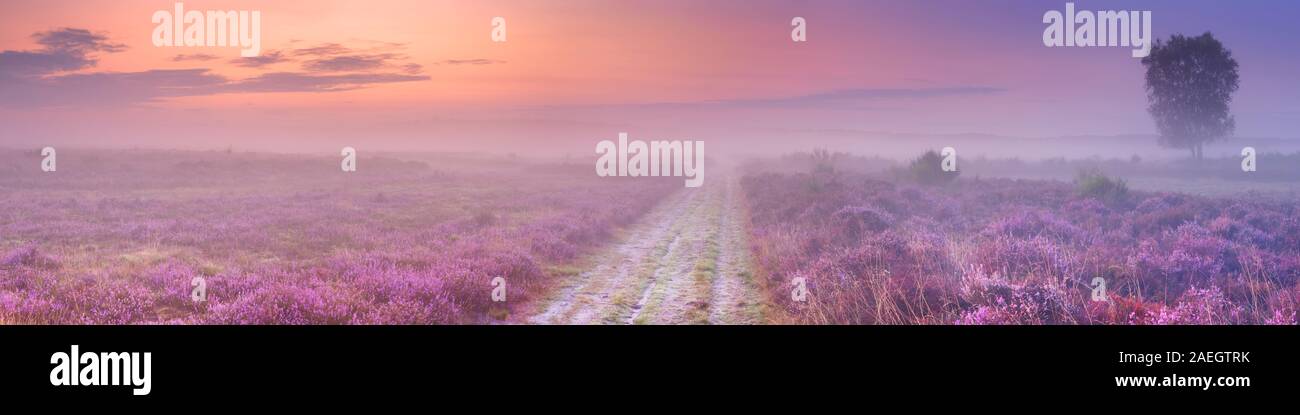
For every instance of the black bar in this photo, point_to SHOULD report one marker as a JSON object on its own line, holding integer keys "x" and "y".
{"x": 244, "y": 363}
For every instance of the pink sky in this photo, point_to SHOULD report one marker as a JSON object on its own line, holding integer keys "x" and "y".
{"x": 575, "y": 72}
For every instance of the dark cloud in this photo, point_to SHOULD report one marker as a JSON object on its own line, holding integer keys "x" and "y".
{"x": 108, "y": 88}
{"x": 35, "y": 63}
{"x": 194, "y": 57}
{"x": 845, "y": 99}
{"x": 63, "y": 50}
{"x": 303, "y": 82}
{"x": 351, "y": 63}
{"x": 335, "y": 58}
{"x": 841, "y": 99}
{"x": 471, "y": 61}
{"x": 265, "y": 59}
{"x": 120, "y": 88}
{"x": 38, "y": 78}
{"x": 328, "y": 49}
{"x": 76, "y": 40}
{"x": 847, "y": 96}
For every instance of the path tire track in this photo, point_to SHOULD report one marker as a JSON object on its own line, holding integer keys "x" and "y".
{"x": 685, "y": 262}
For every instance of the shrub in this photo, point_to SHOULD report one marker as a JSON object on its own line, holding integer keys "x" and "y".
{"x": 1093, "y": 183}
{"x": 29, "y": 256}
{"x": 928, "y": 170}
{"x": 823, "y": 161}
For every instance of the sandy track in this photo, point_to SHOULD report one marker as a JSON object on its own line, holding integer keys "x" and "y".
{"x": 685, "y": 262}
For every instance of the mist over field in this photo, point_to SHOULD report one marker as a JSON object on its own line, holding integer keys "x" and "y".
{"x": 119, "y": 237}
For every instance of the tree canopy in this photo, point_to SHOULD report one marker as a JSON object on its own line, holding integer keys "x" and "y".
{"x": 1189, "y": 85}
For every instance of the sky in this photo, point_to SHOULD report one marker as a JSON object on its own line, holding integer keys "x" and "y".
{"x": 425, "y": 75}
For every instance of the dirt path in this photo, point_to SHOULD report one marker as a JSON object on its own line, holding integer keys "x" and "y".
{"x": 686, "y": 262}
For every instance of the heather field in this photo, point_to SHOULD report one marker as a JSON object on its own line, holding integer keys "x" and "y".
{"x": 883, "y": 249}
{"x": 117, "y": 237}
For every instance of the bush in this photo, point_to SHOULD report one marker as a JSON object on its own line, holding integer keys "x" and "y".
{"x": 29, "y": 256}
{"x": 823, "y": 161}
{"x": 928, "y": 170}
{"x": 1092, "y": 183}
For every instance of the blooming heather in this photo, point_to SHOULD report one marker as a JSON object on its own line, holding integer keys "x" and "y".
{"x": 289, "y": 240}
{"x": 1019, "y": 252}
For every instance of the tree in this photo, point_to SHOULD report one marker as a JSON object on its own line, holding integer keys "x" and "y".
{"x": 928, "y": 169}
{"x": 1189, "y": 84}
{"x": 823, "y": 161}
